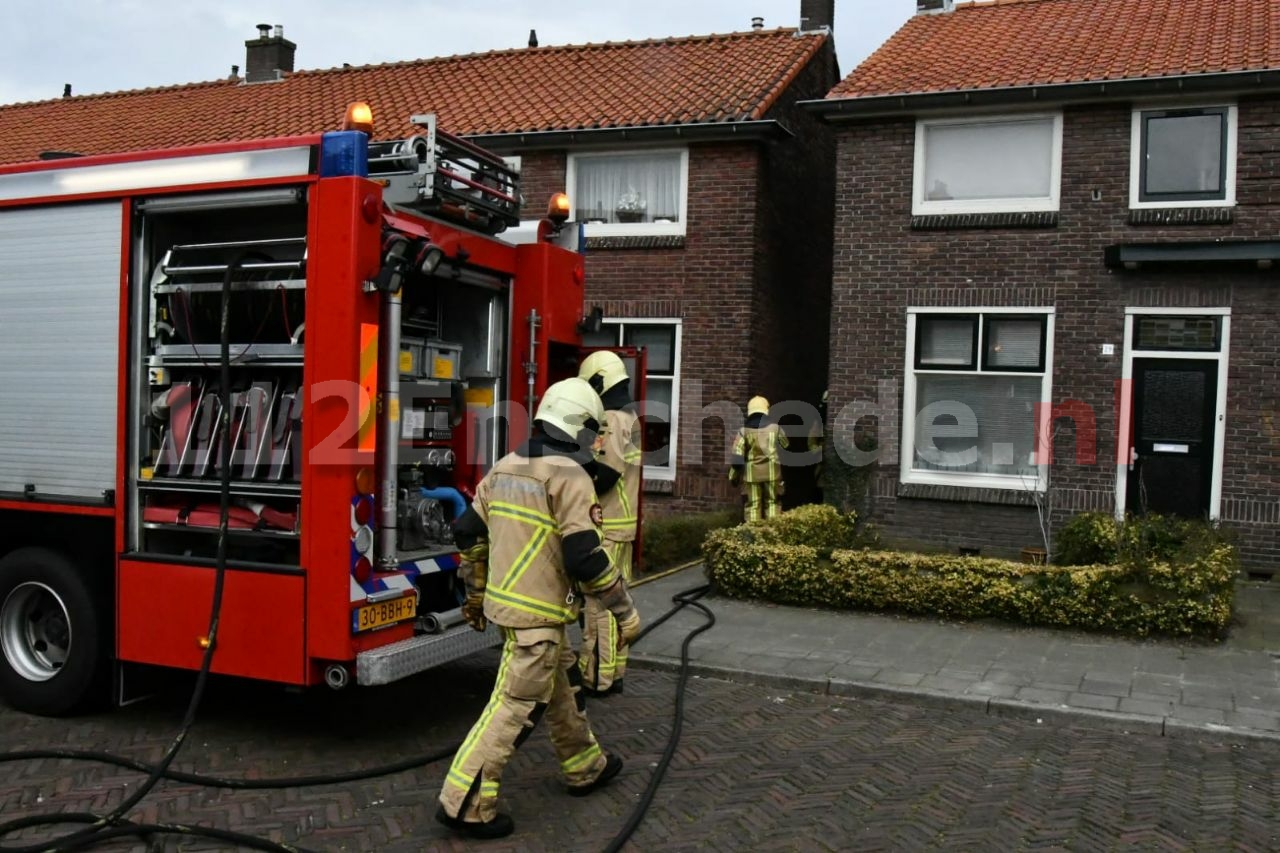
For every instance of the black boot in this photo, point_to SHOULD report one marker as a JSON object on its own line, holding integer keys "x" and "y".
{"x": 611, "y": 690}
{"x": 500, "y": 827}
{"x": 612, "y": 767}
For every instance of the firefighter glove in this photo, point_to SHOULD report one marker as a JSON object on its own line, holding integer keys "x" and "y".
{"x": 473, "y": 611}
{"x": 474, "y": 570}
{"x": 617, "y": 600}
{"x": 629, "y": 626}
{"x": 782, "y": 487}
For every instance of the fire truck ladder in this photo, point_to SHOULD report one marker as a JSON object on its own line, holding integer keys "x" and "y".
{"x": 445, "y": 175}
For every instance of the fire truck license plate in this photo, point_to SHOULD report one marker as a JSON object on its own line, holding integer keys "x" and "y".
{"x": 372, "y": 616}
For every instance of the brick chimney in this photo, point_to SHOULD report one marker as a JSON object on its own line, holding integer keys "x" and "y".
{"x": 817, "y": 15}
{"x": 267, "y": 56}
{"x": 934, "y": 7}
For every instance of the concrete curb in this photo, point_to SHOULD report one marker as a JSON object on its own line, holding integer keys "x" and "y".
{"x": 1181, "y": 729}
{"x": 1161, "y": 726}
{"x": 1018, "y": 709}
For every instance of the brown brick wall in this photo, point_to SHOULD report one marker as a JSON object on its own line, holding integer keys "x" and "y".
{"x": 882, "y": 266}
{"x": 542, "y": 175}
{"x": 708, "y": 284}
{"x": 751, "y": 282}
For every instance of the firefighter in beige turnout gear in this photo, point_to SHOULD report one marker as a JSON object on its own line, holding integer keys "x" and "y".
{"x": 531, "y": 547}
{"x": 604, "y": 657}
{"x": 755, "y": 463}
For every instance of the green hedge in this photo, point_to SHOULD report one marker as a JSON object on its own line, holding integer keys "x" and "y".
{"x": 1097, "y": 537}
{"x": 1184, "y": 591}
{"x": 671, "y": 540}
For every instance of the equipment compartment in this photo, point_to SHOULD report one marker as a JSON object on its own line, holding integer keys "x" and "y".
{"x": 255, "y": 246}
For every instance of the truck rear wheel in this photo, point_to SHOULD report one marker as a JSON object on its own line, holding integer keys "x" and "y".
{"x": 52, "y": 639}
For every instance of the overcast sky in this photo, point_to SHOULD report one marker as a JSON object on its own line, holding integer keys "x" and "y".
{"x": 111, "y": 45}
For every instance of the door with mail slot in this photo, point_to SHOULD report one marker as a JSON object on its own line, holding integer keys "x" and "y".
{"x": 1174, "y": 405}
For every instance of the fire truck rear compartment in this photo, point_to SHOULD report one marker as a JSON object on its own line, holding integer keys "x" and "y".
{"x": 182, "y": 255}
{"x": 451, "y": 376}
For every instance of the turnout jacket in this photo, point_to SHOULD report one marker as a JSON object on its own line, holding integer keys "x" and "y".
{"x": 755, "y": 451}
{"x": 622, "y": 453}
{"x": 538, "y": 509}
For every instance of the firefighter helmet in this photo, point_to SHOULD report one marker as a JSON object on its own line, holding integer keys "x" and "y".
{"x": 603, "y": 369}
{"x": 757, "y": 406}
{"x": 569, "y": 407}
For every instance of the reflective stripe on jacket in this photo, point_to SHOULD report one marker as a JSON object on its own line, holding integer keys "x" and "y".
{"x": 529, "y": 506}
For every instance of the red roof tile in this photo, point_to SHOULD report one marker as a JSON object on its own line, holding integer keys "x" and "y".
{"x": 1003, "y": 43}
{"x": 697, "y": 79}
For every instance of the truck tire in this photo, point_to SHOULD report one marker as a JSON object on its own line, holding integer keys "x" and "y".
{"x": 53, "y": 643}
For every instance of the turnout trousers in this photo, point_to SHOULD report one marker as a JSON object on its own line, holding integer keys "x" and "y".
{"x": 537, "y": 677}
{"x": 762, "y": 500}
{"x": 604, "y": 655}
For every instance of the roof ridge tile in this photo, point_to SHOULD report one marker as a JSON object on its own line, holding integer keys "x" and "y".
{"x": 709, "y": 79}
{"x": 655, "y": 41}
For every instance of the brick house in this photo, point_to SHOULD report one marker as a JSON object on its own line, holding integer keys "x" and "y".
{"x": 1056, "y": 236}
{"x": 682, "y": 155}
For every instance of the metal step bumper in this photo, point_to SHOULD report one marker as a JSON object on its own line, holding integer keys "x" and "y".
{"x": 418, "y": 654}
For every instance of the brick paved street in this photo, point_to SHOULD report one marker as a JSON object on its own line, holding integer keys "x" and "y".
{"x": 758, "y": 769}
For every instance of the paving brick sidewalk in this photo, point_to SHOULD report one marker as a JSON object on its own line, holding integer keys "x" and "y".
{"x": 1160, "y": 687}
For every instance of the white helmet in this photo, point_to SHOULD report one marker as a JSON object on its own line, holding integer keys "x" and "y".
{"x": 757, "y": 406}
{"x": 568, "y": 407}
{"x": 603, "y": 369}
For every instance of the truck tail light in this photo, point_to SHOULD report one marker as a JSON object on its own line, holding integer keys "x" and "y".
{"x": 363, "y": 570}
{"x": 363, "y": 512}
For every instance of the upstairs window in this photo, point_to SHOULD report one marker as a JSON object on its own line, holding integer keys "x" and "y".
{"x": 1008, "y": 164}
{"x": 635, "y": 192}
{"x": 1184, "y": 157}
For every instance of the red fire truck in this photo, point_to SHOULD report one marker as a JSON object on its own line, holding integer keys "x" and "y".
{"x": 383, "y": 346}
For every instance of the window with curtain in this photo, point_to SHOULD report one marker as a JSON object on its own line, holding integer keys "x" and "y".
{"x": 661, "y": 342}
{"x": 988, "y": 165}
{"x": 972, "y": 397}
{"x": 631, "y": 192}
{"x": 1184, "y": 155}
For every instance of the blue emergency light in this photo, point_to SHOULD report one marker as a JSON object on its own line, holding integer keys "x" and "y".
{"x": 344, "y": 153}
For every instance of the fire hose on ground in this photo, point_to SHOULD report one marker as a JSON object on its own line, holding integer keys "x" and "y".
{"x": 103, "y": 829}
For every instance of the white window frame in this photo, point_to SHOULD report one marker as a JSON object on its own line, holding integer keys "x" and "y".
{"x": 920, "y": 206}
{"x": 628, "y": 229}
{"x": 659, "y": 472}
{"x": 1135, "y": 158}
{"x": 1015, "y": 482}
